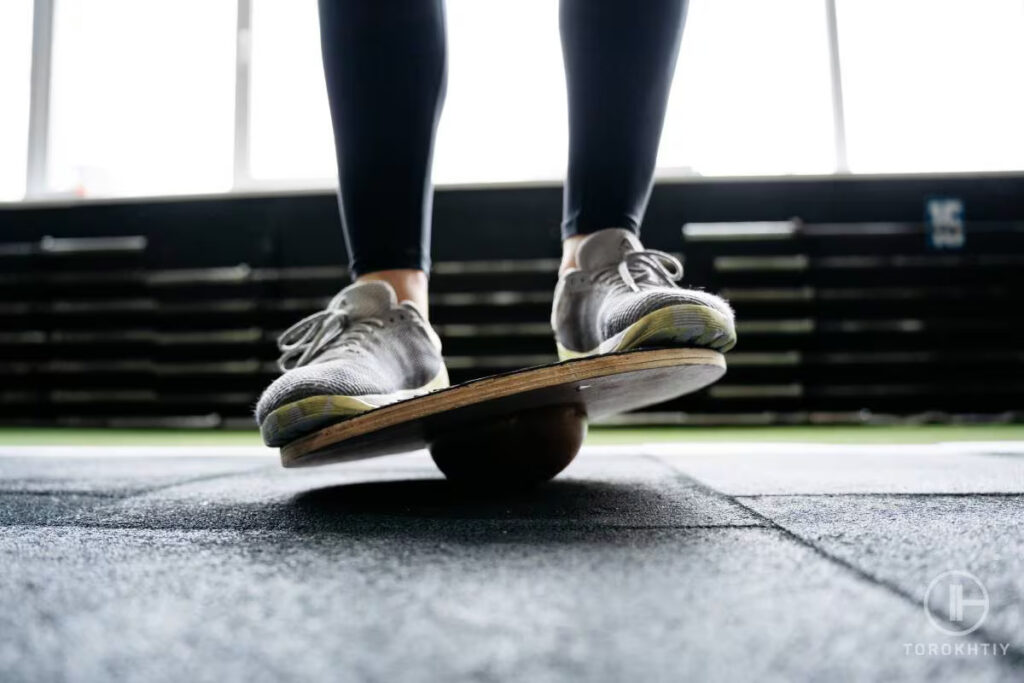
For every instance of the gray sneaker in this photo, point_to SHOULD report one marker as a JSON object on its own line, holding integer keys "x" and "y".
{"x": 365, "y": 350}
{"x": 623, "y": 297}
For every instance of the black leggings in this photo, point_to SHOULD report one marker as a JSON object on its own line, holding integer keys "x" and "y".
{"x": 384, "y": 62}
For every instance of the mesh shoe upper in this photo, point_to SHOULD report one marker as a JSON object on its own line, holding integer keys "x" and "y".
{"x": 622, "y": 309}
{"x": 364, "y": 343}
{"x": 617, "y": 283}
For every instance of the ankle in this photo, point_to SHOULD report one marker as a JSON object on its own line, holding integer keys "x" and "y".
{"x": 409, "y": 285}
{"x": 569, "y": 248}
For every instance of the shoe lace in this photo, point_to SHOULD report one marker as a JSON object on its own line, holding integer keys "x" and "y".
{"x": 314, "y": 334}
{"x": 645, "y": 266}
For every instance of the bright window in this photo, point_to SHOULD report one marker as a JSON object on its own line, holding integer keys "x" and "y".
{"x": 143, "y": 97}
{"x": 15, "y": 67}
{"x": 933, "y": 85}
{"x": 290, "y": 123}
{"x": 505, "y": 118}
{"x": 143, "y": 92}
{"x": 745, "y": 100}
{"x": 752, "y": 91}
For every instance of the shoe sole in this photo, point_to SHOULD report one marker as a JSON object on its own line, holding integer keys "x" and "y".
{"x": 680, "y": 325}
{"x": 305, "y": 416}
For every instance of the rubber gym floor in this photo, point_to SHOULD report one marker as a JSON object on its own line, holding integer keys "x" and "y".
{"x": 702, "y": 554}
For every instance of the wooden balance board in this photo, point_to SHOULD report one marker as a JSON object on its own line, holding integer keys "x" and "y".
{"x": 517, "y": 427}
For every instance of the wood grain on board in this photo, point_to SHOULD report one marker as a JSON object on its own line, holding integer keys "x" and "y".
{"x": 601, "y": 385}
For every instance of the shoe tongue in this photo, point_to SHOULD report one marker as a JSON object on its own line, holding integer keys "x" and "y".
{"x": 606, "y": 248}
{"x": 366, "y": 299}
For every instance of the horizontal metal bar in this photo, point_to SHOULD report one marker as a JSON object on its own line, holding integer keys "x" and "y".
{"x": 83, "y": 245}
{"x": 751, "y": 230}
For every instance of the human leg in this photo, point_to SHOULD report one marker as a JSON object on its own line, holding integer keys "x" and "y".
{"x": 384, "y": 65}
{"x": 613, "y": 294}
{"x": 385, "y": 70}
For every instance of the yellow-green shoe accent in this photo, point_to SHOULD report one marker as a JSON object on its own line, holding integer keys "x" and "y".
{"x": 678, "y": 325}
{"x": 305, "y": 416}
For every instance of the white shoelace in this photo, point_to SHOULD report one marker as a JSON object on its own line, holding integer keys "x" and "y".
{"x": 649, "y": 265}
{"x": 308, "y": 338}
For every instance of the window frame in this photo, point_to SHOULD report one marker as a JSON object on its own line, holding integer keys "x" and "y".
{"x": 243, "y": 181}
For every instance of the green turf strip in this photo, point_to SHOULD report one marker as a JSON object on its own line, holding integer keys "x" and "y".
{"x": 597, "y": 436}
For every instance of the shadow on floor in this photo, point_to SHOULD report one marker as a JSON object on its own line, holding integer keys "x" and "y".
{"x": 570, "y": 501}
{"x": 417, "y": 508}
